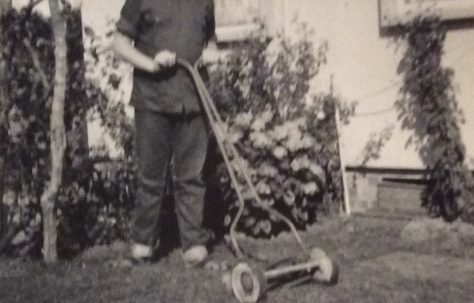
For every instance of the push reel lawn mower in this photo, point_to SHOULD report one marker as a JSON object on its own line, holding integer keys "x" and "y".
{"x": 249, "y": 280}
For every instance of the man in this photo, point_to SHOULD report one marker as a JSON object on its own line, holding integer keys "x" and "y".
{"x": 169, "y": 123}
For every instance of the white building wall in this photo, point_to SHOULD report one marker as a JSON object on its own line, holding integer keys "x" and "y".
{"x": 364, "y": 66}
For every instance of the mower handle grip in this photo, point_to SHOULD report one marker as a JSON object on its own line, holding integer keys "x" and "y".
{"x": 186, "y": 65}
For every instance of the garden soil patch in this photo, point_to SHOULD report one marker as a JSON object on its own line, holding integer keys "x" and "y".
{"x": 424, "y": 267}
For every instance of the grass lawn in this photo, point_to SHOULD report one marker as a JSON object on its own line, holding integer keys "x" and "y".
{"x": 377, "y": 265}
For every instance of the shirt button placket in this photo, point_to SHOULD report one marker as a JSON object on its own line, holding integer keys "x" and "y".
{"x": 179, "y": 12}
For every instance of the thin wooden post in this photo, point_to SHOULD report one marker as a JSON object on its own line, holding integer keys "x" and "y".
{"x": 57, "y": 134}
{"x": 347, "y": 204}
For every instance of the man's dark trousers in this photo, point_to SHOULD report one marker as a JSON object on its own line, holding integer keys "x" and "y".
{"x": 160, "y": 137}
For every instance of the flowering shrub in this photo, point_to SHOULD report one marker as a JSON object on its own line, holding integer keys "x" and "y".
{"x": 286, "y": 135}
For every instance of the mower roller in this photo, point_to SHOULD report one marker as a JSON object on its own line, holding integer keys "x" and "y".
{"x": 249, "y": 280}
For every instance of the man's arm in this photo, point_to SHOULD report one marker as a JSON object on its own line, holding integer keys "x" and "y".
{"x": 123, "y": 46}
{"x": 211, "y": 53}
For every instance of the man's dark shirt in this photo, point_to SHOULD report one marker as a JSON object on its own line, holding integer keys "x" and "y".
{"x": 180, "y": 26}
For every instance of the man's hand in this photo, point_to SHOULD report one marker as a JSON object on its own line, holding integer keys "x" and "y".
{"x": 163, "y": 60}
{"x": 123, "y": 46}
{"x": 211, "y": 54}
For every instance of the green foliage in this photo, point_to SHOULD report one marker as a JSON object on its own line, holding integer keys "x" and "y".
{"x": 94, "y": 202}
{"x": 286, "y": 135}
{"x": 95, "y": 208}
{"x": 107, "y": 72}
{"x": 429, "y": 108}
{"x": 375, "y": 144}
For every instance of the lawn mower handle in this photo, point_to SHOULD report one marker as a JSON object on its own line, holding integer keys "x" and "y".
{"x": 217, "y": 125}
{"x": 317, "y": 267}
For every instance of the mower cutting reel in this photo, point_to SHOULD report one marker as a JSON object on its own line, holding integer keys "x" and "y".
{"x": 249, "y": 281}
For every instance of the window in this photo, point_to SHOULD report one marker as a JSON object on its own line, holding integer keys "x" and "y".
{"x": 395, "y": 12}
{"x": 238, "y": 19}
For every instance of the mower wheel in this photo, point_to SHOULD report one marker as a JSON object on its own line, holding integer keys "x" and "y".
{"x": 327, "y": 271}
{"x": 248, "y": 282}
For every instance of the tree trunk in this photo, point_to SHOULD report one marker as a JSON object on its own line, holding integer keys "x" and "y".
{"x": 57, "y": 135}
{"x": 5, "y": 5}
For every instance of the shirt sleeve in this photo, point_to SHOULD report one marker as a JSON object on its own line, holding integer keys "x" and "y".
{"x": 129, "y": 18}
{"x": 210, "y": 20}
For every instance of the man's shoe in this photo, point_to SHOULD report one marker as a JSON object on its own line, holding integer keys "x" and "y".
{"x": 141, "y": 252}
{"x": 195, "y": 256}
{"x": 137, "y": 254}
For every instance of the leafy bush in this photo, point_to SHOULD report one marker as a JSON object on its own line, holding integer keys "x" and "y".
{"x": 429, "y": 108}
{"x": 286, "y": 135}
{"x": 95, "y": 208}
{"x": 107, "y": 72}
{"x": 94, "y": 202}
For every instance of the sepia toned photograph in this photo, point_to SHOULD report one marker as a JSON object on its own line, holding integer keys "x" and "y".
{"x": 200, "y": 151}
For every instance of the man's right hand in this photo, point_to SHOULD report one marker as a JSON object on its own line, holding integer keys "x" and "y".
{"x": 123, "y": 46}
{"x": 163, "y": 60}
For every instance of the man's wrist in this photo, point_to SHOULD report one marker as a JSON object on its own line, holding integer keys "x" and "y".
{"x": 150, "y": 66}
